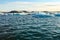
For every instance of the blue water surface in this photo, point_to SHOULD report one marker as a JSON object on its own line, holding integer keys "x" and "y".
{"x": 29, "y": 27}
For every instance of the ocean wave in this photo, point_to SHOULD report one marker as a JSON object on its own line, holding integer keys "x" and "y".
{"x": 27, "y": 27}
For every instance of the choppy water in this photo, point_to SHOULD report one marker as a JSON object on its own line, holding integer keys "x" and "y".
{"x": 27, "y": 27}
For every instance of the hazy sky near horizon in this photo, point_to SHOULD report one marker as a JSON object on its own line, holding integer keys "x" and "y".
{"x": 6, "y": 1}
{"x": 41, "y": 5}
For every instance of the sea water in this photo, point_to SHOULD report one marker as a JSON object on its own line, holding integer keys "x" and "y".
{"x": 29, "y": 27}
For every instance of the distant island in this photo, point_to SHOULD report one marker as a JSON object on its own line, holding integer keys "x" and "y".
{"x": 24, "y": 11}
{"x": 14, "y": 11}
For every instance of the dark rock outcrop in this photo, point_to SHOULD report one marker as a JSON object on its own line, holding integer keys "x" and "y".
{"x": 13, "y": 11}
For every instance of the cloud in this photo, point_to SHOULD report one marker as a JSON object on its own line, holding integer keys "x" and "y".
{"x": 19, "y": 6}
{"x": 49, "y": 6}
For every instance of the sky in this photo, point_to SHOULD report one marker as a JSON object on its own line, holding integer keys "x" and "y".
{"x": 36, "y": 5}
